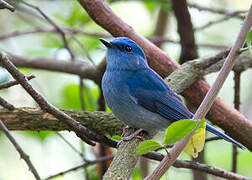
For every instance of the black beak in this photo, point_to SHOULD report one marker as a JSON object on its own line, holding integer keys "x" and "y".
{"x": 106, "y": 43}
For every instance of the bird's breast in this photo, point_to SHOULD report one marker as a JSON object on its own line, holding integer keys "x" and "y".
{"x": 124, "y": 107}
{"x": 116, "y": 93}
{"x": 114, "y": 87}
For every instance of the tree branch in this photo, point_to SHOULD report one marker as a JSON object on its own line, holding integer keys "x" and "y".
{"x": 237, "y": 79}
{"x": 5, "y": 5}
{"x": 219, "y": 11}
{"x": 6, "y": 105}
{"x": 85, "y": 164}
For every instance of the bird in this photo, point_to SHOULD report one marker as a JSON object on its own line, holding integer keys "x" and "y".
{"x": 137, "y": 95}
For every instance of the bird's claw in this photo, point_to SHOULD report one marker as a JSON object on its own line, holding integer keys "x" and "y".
{"x": 125, "y": 129}
{"x": 130, "y": 137}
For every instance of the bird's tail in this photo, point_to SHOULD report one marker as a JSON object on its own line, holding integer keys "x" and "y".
{"x": 222, "y": 135}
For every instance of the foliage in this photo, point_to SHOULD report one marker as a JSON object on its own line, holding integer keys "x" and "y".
{"x": 249, "y": 41}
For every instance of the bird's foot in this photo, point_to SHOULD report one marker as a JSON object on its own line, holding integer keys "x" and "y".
{"x": 125, "y": 129}
{"x": 130, "y": 137}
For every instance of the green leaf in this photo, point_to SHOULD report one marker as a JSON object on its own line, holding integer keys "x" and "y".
{"x": 90, "y": 43}
{"x": 151, "y": 6}
{"x": 166, "y": 6}
{"x": 52, "y": 41}
{"x": 178, "y": 130}
{"x": 147, "y": 146}
{"x": 71, "y": 97}
{"x": 249, "y": 40}
{"x": 91, "y": 96}
{"x": 75, "y": 17}
{"x": 203, "y": 124}
{"x": 116, "y": 137}
{"x": 137, "y": 174}
{"x": 41, "y": 135}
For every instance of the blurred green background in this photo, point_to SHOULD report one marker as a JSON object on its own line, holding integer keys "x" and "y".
{"x": 47, "y": 150}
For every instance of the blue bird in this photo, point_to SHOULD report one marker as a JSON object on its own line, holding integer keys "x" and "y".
{"x": 137, "y": 95}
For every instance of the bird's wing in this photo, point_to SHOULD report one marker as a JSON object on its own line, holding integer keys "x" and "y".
{"x": 148, "y": 89}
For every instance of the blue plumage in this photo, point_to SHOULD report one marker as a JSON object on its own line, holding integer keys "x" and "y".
{"x": 137, "y": 95}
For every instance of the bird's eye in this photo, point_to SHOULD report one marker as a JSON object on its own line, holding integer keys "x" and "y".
{"x": 128, "y": 48}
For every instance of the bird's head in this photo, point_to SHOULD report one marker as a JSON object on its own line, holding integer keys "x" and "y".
{"x": 123, "y": 53}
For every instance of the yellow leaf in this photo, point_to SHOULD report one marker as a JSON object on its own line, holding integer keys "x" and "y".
{"x": 197, "y": 142}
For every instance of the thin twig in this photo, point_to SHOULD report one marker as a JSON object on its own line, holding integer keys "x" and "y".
{"x": 81, "y": 131}
{"x": 158, "y": 39}
{"x": 161, "y": 24}
{"x": 85, "y": 164}
{"x": 6, "y": 105}
{"x": 86, "y": 173}
{"x": 19, "y": 150}
{"x": 5, "y": 5}
{"x": 213, "y": 139}
{"x": 208, "y": 61}
{"x": 13, "y": 82}
{"x": 210, "y": 23}
{"x": 208, "y": 100}
{"x": 237, "y": 78}
{"x": 219, "y": 11}
{"x": 51, "y": 30}
{"x": 82, "y": 47}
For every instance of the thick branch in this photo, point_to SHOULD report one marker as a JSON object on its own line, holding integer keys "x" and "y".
{"x": 36, "y": 120}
